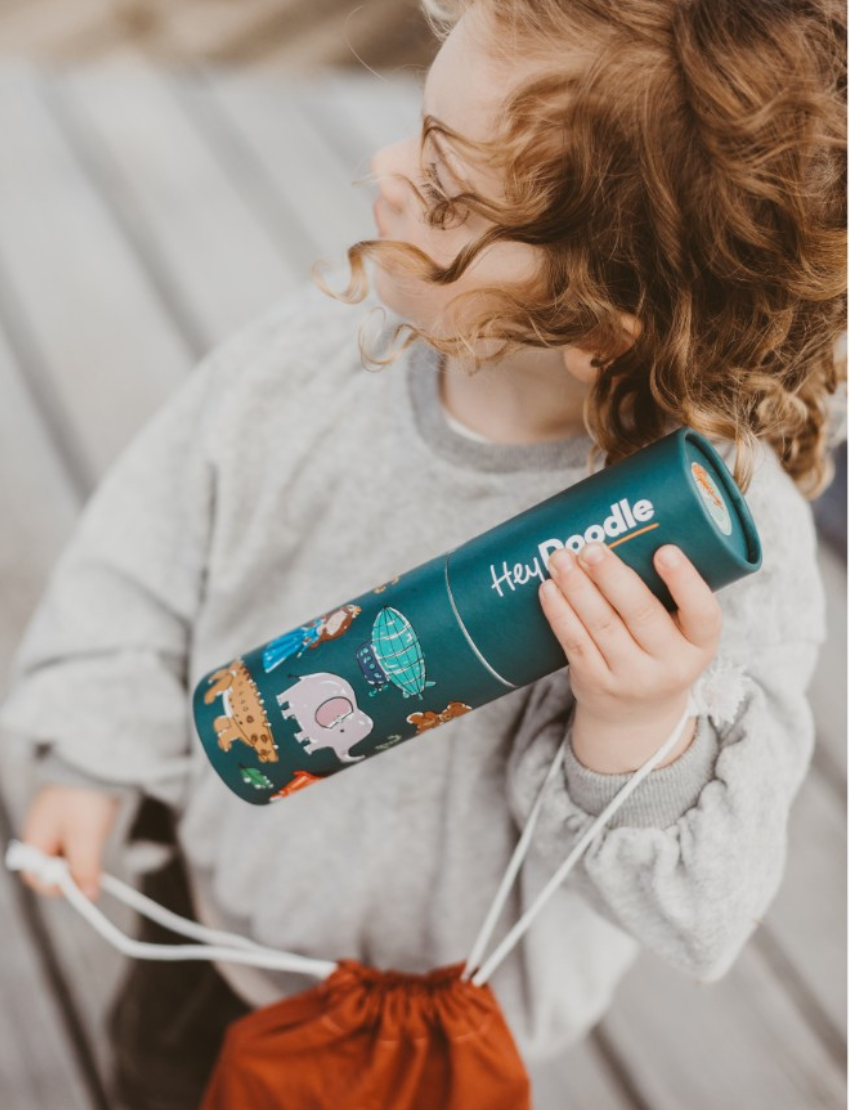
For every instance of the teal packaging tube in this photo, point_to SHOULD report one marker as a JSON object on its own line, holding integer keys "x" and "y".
{"x": 463, "y": 628}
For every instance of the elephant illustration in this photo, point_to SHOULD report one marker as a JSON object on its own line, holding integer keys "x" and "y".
{"x": 325, "y": 707}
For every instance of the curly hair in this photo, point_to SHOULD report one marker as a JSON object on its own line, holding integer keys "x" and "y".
{"x": 690, "y": 170}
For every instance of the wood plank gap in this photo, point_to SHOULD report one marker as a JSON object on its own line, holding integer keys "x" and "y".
{"x": 36, "y": 379}
{"x": 248, "y": 175}
{"x": 618, "y": 1069}
{"x": 52, "y": 968}
{"x": 96, "y": 163}
{"x": 798, "y": 991}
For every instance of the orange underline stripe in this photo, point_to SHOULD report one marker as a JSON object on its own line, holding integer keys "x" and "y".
{"x": 625, "y": 539}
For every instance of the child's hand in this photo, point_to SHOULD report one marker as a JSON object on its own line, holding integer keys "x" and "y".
{"x": 72, "y": 822}
{"x": 631, "y": 662}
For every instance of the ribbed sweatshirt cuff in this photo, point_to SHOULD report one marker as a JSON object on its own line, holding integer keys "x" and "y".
{"x": 662, "y": 797}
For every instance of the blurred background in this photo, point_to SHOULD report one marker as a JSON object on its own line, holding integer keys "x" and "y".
{"x": 267, "y": 35}
{"x": 168, "y": 168}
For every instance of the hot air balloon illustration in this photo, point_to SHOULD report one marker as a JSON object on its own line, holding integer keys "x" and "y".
{"x": 394, "y": 655}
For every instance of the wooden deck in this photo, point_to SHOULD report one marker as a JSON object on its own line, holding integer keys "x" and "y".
{"x": 143, "y": 216}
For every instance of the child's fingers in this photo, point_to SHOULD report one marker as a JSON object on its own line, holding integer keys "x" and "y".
{"x": 84, "y": 851}
{"x": 646, "y": 619}
{"x": 600, "y": 620}
{"x": 699, "y": 616}
{"x": 573, "y": 637}
{"x": 74, "y": 825}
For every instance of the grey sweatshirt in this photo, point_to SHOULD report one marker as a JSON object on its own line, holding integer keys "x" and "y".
{"x": 279, "y": 482}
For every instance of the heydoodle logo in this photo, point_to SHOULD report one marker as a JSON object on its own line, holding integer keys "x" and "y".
{"x": 625, "y": 521}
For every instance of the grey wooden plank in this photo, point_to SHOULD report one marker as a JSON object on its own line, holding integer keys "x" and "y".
{"x": 38, "y": 1070}
{"x": 828, "y": 692}
{"x": 154, "y": 165}
{"x": 808, "y": 919}
{"x": 110, "y": 346}
{"x": 580, "y": 1080}
{"x": 38, "y": 504}
{"x": 39, "y": 507}
{"x": 361, "y": 113}
{"x": 738, "y": 1042}
{"x": 309, "y": 172}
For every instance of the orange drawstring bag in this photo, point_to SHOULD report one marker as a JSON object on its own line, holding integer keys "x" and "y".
{"x": 362, "y": 1039}
{"x": 373, "y": 1040}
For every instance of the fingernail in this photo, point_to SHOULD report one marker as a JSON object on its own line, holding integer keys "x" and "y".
{"x": 593, "y": 553}
{"x": 561, "y": 560}
{"x": 669, "y": 556}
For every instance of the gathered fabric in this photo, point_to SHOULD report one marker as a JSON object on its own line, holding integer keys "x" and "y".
{"x": 366, "y": 1039}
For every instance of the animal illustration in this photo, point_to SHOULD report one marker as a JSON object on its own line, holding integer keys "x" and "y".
{"x": 325, "y": 707}
{"x": 244, "y": 718}
{"x": 393, "y": 655}
{"x": 327, "y": 627}
{"x": 427, "y": 720}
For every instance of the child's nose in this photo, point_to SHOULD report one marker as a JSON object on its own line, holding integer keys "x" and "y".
{"x": 389, "y": 162}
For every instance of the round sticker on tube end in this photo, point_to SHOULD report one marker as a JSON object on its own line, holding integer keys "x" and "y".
{"x": 712, "y": 498}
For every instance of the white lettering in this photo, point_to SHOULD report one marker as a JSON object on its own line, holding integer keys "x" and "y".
{"x": 505, "y": 577}
{"x": 519, "y": 575}
{"x": 547, "y": 548}
{"x": 523, "y": 572}
{"x": 623, "y": 517}
{"x": 614, "y": 524}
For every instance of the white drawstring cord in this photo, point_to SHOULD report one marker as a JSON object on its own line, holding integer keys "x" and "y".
{"x": 513, "y": 868}
{"x": 513, "y": 937}
{"x": 227, "y": 947}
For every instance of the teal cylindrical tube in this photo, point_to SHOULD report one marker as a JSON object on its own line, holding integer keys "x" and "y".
{"x": 463, "y": 628}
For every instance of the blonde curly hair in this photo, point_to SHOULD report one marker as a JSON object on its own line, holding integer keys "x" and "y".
{"x": 691, "y": 172}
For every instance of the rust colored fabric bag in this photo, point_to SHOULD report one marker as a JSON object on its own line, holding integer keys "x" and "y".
{"x": 373, "y": 1040}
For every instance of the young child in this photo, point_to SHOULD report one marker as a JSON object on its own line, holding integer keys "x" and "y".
{"x": 618, "y": 219}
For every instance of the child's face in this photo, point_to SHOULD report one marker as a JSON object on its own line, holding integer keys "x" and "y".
{"x": 464, "y": 90}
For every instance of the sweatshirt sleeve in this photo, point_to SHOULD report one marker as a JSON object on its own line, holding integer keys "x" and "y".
{"x": 98, "y": 685}
{"x": 691, "y": 862}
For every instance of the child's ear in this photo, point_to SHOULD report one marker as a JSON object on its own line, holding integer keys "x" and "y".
{"x": 584, "y": 364}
